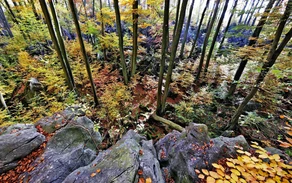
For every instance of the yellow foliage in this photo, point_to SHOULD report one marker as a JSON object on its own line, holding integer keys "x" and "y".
{"x": 260, "y": 167}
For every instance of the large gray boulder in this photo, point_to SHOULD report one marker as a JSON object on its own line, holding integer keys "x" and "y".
{"x": 16, "y": 142}
{"x": 71, "y": 147}
{"x": 181, "y": 153}
{"x": 121, "y": 162}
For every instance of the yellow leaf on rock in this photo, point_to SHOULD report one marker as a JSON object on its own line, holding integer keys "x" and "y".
{"x": 206, "y": 172}
{"x": 148, "y": 180}
{"x": 201, "y": 176}
{"x": 220, "y": 172}
{"x": 234, "y": 176}
{"x": 231, "y": 165}
{"x": 236, "y": 172}
{"x": 214, "y": 175}
{"x": 218, "y": 166}
{"x": 270, "y": 181}
{"x": 211, "y": 180}
{"x": 219, "y": 181}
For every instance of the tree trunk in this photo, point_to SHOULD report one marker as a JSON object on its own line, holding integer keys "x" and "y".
{"x": 34, "y": 9}
{"x": 93, "y": 9}
{"x": 199, "y": 28}
{"x": 243, "y": 12}
{"x": 248, "y": 13}
{"x": 215, "y": 36}
{"x": 274, "y": 52}
{"x": 211, "y": 15}
{"x": 163, "y": 52}
{"x": 5, "y": 22}
{"x": 255, "y": 35}
{"x": 252, "y": 12}
{"x": 187, "y": 29}
{"x": 206, "y": 40}
{"x": 135, "y": 38}
{"x": 61, "y": 41}
{"x": 227, "y": 27}
{"x": 176, "y": 18}
{"x": 55, "y": 42}
{"x": 173, "y": 52}
{"x": 121, "y": 42}
{"x": 259, "y": 9}
{"x": 82, "y": 47}
{"x": 102, "y": 28}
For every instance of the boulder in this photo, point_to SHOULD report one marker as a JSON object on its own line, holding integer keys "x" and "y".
{"x": 16, "y": 142}
{"x": 181, "y": 153}
{"x": 71, "y": 147}
{"x": 121, "y": 163}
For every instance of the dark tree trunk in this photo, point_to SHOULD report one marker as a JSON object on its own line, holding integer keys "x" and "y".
{"x": 274, "y": 52}
{"x": 243, "y": 12}
{"x": 199, "y": 28}
{"x": 135, "y": 38}
{"x": 206, "y": 40}
{"x": 252, "y": 13}
{"x": 187, "y": 29}
{"x": 93, "y": 9}
{"x": 249, "y": 12}
{"x": 227, "y": 27}
{"x": 176, "y": 17}
{"x": 255, "y": 35}
{"x": 163, "y": 52}
{"x": 121, "y": 41}
{"x": 211, "y": 15}
{"x": 34, "y": 9}
{"x": 82, "y": 47}
{"x": 102, "y": 29}
{"x": 215, "y": 36}
{"x": 173, "y": 53}
{"x": 55, "y": 41}
{"x": 259, "y": 9}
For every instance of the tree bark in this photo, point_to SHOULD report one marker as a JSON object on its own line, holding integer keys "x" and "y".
{"x": 274, "y": 52}
{"x": 135, "y": 38}
{"x": 173, "y": 52}
{"x": 255, "y": 35}
{"x": 121, "y": 42}
{"x": 253, "y": 10}
{"x": 167, "y": 122}
{"x": 249, "y": 11}
{"x": 5, "y": 22}
{"x": 243, "y": 12}
{"x": 82, "y": 47}
{"x": 199, "y": 28}
{"x": 259, "y": 9}
{"x": 215, "y": 36}
{"x": 102, "y": 28}
{"x": 176, "y": 17}
{"x": 227, "y": 26}
{"x": 55, "y": 42}
{"x": 163, "y": 52}
{"x": 206, "y": 40}
{"x": 187, "y": 29}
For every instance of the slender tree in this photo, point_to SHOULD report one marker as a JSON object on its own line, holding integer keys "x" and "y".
{"x": 206, "y": 39}
{"x": 163, "y": 54}
{"x": 135, "y": 38}
{"x": 215, "y": 36}
{"x": 252, "y": 12}
{"x": 199, "y": 28}
{"x": 243, "y": 11}
{"x": 274, "y": 52}
{"x": 55, "y": 42}
{"x": 102, "y": 28}
{"x": 82, "y": 47}
{"x": 34, "y": 9}
{"x": 173, "y": 53}
{"x": 249, "y": 12}
{"x": 187, "y": 29}
{"x": 93, "y": 9}
{"x": 211, "y": 15}
{"x": 61, "y": 41}
{"x": 176, "y": 17}
{"x": 259, "y": 9}
{"x": 255, "y": 35}
{"x": 121, "y": 41}
{"x": 5, "y": 22}
{"x": 227, "y": 26}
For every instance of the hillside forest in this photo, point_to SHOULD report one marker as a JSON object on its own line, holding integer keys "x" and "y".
{"x": 153, "y": 66}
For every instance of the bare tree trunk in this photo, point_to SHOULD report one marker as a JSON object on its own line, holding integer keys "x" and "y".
{"x": 252, "y": 12}
{"x": 5, "y": 22}
{"x": 255, "y": 35}
{"x": 199, "y": 28}
{"x": 215, "y": 36}
{"x": 187, "y": 29}
{"x": 135, "y": 38}
{"x": 259, "y": 9}
{"x": 173, "y": 52}
{"x": 55, "y": 42}
{"x": 227, "y": 26}
{"x": 82, "y": 47}
{"x": 176, "y": 18}
{"x": 121, "y": 42}
{"x": 206, "y": 40}
{"x": 249, "y": 11}
{"x": 274, "y": 52}
{"x": 163, "y": 52}
{"x": 102, "y": 28}
{"x": 243, "y": 12}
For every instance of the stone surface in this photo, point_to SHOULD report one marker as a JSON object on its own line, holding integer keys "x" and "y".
{"x": 72, "y": 146}
{"x": 181, "y": 153}
{"x": 16, "y": 142}
{"x": 121, "y": 162}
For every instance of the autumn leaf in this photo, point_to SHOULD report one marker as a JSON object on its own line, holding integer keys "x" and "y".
{"x": 148, "y": 180}
{"x": 93, "y": 174}
{"x": 98, "y": 171}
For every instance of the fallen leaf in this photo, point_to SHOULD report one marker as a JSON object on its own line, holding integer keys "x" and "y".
{"x": 98, "y": 171}
{"x": 93, "y": 174}
{"x": 148, "y": 180}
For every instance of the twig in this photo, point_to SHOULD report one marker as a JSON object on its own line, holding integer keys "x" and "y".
{"x": 167, "y": 122}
